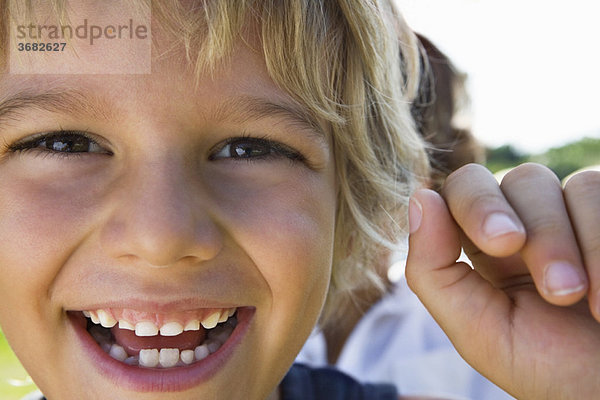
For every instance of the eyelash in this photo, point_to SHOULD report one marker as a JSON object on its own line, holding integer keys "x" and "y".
{"x": 272, "y": 149}
{"x": 275, "y": 150}
{"x": 34, "y": 144}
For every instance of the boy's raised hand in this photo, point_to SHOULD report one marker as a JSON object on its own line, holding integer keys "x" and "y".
{"x": 527, "y": 316}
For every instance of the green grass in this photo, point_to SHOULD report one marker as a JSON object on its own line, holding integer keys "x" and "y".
{"x": 14, "y": 381}
{"x": 562, "y": 160}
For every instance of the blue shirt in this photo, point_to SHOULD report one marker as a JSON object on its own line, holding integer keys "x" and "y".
{"x": 306, "y": 383}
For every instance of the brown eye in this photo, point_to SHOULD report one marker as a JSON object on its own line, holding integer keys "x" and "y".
{"x": 255, "y": 149}
{"x": 70, "y": 144}
{"x": 247, "y": 149}
{"x": 64, "y": 142}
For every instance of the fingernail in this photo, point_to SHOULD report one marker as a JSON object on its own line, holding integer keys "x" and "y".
{"x": 498, "y": 224}
{"x": 415, "y": 214}
{"x": 561, "y": 278}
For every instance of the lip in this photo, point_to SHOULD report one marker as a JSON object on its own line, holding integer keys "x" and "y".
{"x": 157, "y": 380}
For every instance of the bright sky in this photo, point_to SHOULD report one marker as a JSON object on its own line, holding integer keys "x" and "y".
{"x": 533, "y": 65}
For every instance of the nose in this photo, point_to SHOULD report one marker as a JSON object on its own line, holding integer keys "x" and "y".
{"x": 160, "y": 218}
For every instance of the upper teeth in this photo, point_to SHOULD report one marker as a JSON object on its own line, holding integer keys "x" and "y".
{"x": 171, "y": 329}
{"x": 107, "y": 319}
{"x": 145, "y": 328}
{"x": 193, "y": 325}
{"x": 126, "y": 325}
{"x": 211, "y": 321}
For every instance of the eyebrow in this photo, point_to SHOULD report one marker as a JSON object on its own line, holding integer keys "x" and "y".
{"x": 244, "y": 108}
{"x": 239, "y": 109}
{"x": 71, "y": 102}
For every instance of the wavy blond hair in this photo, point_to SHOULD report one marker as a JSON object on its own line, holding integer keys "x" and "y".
{"x": 354, "y": 66}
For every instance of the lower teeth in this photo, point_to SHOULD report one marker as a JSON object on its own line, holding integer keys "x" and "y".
{"x": 165, "y": 358}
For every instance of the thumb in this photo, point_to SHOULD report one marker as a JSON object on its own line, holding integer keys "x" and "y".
{"x": 457, "y": 297}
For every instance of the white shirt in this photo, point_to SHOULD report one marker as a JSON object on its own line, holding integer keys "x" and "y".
{"x": 398, "y": 342}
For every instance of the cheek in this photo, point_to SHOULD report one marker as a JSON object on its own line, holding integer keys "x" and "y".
{"x": 287, "y": 232}
{"x": 40, "y": 223}
{"x": 286, "y": 226}
{"x": 295, "y": 248}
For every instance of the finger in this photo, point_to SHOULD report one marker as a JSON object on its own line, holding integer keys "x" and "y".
{"x": 454, "y": 294}
{"x": 502, "y": 272}
{"x": 493, "y": 233}
{"x": 551, "y": 252}
{"x": 437, "y": 246}
{"x": 582, "y": 192}
{"x": 480, "y": 209}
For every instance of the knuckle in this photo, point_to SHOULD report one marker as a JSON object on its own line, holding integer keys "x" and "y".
{"x": 413, "y": 278}
{"x": 527, "y": 172}
{"x": 584, "y": 183}
{"x": 484, "y": 200}
{"x": 472, "y": 190}
{"x": 467, "y": 170}
{"x": 546, "y": 225}
{"x": 464, "y": 175}
{"x": 476, "y": 206}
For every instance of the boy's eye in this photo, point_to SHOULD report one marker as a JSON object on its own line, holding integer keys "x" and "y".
{"x": 67, "y": 143}
{"x": 60, "y": 142}
{"x": 254, "y": 149}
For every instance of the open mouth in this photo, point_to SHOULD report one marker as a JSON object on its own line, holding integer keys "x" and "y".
{"x": 163, "y": 351}
{"x": 160, "y": 341}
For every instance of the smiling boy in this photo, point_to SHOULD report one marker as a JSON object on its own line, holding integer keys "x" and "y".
{"x": 140, "y": 211}
{"x": 177, "y": 231}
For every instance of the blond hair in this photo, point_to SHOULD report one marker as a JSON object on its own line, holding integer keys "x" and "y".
{"x": 354, "y": 66}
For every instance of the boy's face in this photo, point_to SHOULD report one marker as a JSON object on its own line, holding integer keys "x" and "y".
{"x": 162, "y": 204}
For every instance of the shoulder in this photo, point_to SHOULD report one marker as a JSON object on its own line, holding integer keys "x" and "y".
{"x": 306, "y": 383}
